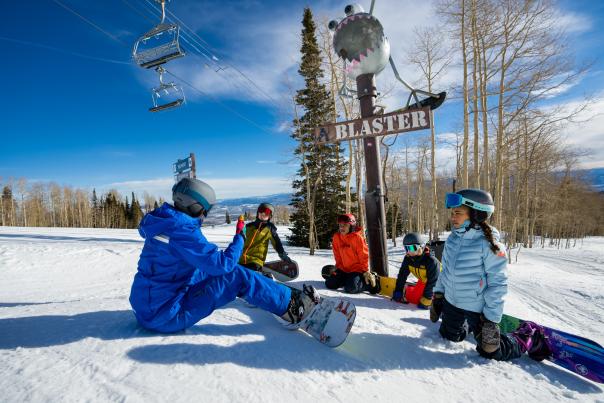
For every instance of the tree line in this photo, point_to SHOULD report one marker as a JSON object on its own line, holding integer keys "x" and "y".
{"x": 50, "y": 205}
{"x": 510, "y": 60}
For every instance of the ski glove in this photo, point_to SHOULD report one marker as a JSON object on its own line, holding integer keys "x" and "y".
{"x": 285, "y": 258}
{"x": 489, "y": 336}
{"x": 399, "y": 296}
{"x": 438, "y": 301}
{"x": 240, "y": 226}
{"x": 424, "y": 303}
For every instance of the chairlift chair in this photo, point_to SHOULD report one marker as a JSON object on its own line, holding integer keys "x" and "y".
{"x": 159, "y": 45}
{"x": 166, "y": 95}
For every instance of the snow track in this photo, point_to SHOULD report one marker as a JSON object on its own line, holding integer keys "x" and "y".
{"x": 67, "y": 334}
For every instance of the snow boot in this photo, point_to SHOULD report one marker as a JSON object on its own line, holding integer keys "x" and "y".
{"x": 301, "y": 304}
{"x": 372, "y": 281}
{"x": 531, "y": 340}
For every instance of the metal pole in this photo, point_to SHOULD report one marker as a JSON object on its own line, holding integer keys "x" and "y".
{"x": 193, "y": 167}
{"x": 374, "y": 198}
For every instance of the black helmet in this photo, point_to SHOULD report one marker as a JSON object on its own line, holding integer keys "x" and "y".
{"x": 413, "y": 238}
{"x": 193, "y": 197}
{"x": 479, "y": 201}
{"x": 264, "y": 207}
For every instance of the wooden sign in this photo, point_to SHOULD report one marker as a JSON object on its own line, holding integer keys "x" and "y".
{"x": 379, "y": 125}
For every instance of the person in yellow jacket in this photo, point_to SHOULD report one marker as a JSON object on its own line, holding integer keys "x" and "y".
{"x": 351, "y": 253}
{"x": 258, "y": 234}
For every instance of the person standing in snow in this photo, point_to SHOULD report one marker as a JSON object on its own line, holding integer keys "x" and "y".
{"x": 182, "y": 277}
{"x": 351, "y": 253}
{"x": 419, "y": 262}
{"x": 468, "y": 296}
{"x": 258, "y": 234}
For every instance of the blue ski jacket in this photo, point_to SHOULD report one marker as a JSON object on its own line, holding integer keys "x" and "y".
{"x": 175, "y": 256}
{"x": 473, "y": 278}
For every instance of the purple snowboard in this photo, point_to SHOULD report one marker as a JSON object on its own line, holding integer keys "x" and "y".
{"x": 577, "y": 354}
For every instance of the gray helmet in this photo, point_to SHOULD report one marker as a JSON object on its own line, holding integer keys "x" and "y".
{"x": 478, "y": 200}
{"x": 414, "y": 238}
{"x": 193, "y": 197}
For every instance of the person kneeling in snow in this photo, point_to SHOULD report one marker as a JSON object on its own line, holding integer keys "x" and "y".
{"x": 352, "y": 260}
{"x": 419, "y": 262}
{"x": 258, "y": 234}
{"x": 468, "y": 295}
{"x": 182, "y": 277}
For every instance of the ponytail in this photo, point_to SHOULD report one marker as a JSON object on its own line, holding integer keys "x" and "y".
{"x": 486, "y": 229}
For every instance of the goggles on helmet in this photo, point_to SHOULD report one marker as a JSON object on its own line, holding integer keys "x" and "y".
{"x": 344, "y": 219}
{"x": 453, "y": 200}
{"x": 412, "y": 248}
{"x": 264, "y": 210}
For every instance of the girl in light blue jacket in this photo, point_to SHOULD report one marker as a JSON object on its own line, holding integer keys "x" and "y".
{"x": 468, "y": 295}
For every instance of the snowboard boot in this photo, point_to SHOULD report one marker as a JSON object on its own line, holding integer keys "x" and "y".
{"x": 532, "y": 341}
{"x": 372, "y": 282}
{"x": 301, "y": 304}
{"x": 490, "y": 337}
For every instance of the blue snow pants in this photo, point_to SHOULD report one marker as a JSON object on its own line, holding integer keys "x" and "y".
{"x": 203, "y": 298}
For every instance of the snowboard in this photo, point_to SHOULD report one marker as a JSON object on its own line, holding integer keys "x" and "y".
{"x": 281, "y": 270}
{"x": 388, "y": 284}
{"x": 578, "y": 354}
{"x": 329, "y": 321}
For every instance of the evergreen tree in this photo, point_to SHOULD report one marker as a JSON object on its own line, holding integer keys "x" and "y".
{"x": 227, "y": 217}
{"x": 136, "y": 212}
{"x": 319, "y": 185}
{"x": 95, "y": 210}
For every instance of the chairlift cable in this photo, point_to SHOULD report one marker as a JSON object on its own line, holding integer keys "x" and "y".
{"x": 115, "y": 38}
{"x": 224, "y": 106}
{"x": 218, "y": 102}
{"x": 258, "y": 88}
{"x": 65, "y": 51}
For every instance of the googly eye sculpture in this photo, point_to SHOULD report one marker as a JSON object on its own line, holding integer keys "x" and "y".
{"x": 360, "y": 41}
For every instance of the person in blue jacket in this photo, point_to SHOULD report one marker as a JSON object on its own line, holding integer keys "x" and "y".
{"x": 182, "y": 278}
{"x": 468, "y": 296}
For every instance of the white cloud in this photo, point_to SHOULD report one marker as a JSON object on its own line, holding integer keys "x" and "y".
{"x": 225, "y": 188}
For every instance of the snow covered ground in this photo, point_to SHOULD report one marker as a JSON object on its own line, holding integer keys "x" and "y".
{"x": 67, "y": 334}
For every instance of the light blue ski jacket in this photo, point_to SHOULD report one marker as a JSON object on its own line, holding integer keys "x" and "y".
{"x": 473, "y": 277}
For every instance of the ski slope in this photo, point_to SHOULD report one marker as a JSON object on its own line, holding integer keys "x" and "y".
{"x": 67, "y": 333}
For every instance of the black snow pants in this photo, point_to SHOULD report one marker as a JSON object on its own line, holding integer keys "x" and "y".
{"x": 353, "y": 283}
{"x": 457, "y": 323}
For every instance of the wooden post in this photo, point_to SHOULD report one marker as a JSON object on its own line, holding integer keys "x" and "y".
{"x": 374, "y": 196}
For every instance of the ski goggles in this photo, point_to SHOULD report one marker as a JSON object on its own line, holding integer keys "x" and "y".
{"x": 264, "y": 210}
{"x": 412, "y": 248}
{"x": 344, "y": 219}
{"x": 453, "y": 200}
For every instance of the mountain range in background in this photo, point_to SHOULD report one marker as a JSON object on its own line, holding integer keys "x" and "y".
{"x": 238, "y": 206}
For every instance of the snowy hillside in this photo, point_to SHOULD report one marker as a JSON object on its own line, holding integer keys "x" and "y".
{"x": 67, "y": 334}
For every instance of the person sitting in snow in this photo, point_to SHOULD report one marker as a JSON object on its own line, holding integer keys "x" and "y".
{"x": 182, "y": 278}
{"x": 468, "y": 296}
{"x": 419, "y": 262}
{"x": 351, "y": 270}
{"x": 258, "y": 234}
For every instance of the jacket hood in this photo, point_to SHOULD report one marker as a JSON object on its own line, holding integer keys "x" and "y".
{"x": 162, "y": 220}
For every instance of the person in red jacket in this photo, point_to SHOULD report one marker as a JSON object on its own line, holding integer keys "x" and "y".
{"x": 350, "y": 250}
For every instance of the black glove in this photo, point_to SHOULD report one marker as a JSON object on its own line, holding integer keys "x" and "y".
{"x": 285, "y": 258}
{"x": 438, "y": 301}
{"x": 399, "y": 296}
{"x": 489, "y": 336}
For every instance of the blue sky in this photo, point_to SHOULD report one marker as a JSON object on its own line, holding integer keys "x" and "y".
{"x": 74, "y": 108}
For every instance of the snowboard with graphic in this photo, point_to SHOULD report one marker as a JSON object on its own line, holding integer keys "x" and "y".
{"x": 330, "y": 320}
{"x": 578, "y": 354}
{"x": 281, "y": 270}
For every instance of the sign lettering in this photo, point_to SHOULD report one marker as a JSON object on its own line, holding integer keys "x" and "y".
{"x": 381, "y": 125}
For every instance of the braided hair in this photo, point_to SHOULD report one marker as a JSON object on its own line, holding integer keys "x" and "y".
{"x": 488, "y": 233}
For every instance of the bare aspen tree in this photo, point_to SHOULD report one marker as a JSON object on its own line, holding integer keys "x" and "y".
{"x": 432, "y": 58}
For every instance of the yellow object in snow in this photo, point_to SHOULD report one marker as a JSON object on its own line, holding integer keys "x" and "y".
{"x": 388, "y": 285}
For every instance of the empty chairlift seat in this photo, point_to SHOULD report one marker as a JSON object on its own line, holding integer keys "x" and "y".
{"x": 158, "y": 46}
